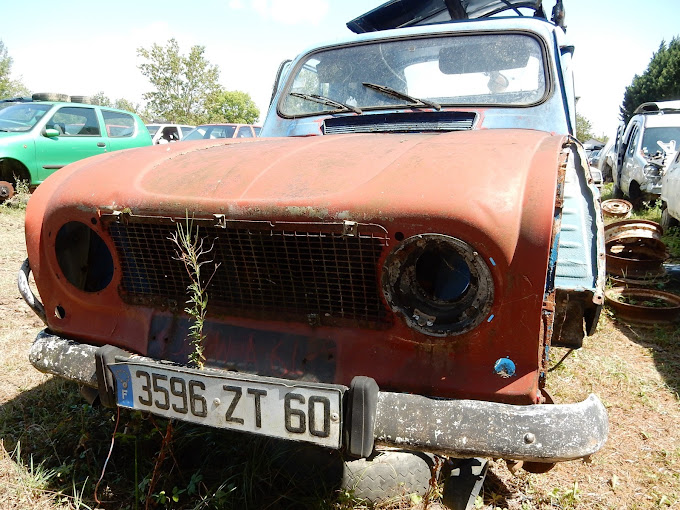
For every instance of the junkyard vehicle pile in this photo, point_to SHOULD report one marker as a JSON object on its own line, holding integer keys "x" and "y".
{"x": 388, "y": 265}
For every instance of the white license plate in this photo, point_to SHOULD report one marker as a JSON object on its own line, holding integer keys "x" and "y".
{"x": 297, "y": 411}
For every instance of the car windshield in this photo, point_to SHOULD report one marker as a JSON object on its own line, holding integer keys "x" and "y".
{"x": 22, "y": 117}
{"x": 210, "y": 132}
{"x": 654, "y": 135}
{"x": 487, "y": 69}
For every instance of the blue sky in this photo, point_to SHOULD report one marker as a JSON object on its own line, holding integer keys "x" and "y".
{"x": 82, "y": 47}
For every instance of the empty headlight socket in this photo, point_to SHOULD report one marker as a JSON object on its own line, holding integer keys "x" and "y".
{"x": 439, "y": 283}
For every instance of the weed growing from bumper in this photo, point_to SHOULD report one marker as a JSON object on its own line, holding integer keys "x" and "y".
{"x": 192, "y": 251}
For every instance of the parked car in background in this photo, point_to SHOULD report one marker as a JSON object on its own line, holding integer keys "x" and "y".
{"x": 594, "y": 158}
{"x": 388, "y": 267}
{"x": 166, "y": 133}
{"x": 642, "y": 150}
{"x": 214, "y": 131}
{"x": 38, "y": 137}
{"x": 670, "y": 193}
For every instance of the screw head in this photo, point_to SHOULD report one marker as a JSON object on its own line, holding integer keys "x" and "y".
{"x": 529, "y": 438}
{"x": 335, "y": 417}
{"x": 217, "y": 401}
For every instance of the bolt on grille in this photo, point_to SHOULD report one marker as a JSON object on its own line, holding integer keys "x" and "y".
{"x": 312, "y": 276}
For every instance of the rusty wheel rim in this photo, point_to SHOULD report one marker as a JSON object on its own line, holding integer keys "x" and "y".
{"x": 617, "y": 208}
{"x": 6, "y": 190}
{"x": 639, "y": 305}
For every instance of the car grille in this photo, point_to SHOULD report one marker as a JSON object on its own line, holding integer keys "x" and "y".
{"x": 314, "y": 273}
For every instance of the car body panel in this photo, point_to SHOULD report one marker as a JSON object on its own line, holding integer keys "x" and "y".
{"x": 225, "y": 184}
{"x": 670, "y": 187}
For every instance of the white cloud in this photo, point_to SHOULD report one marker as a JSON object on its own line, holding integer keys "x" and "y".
{"x": 236, "y": 4}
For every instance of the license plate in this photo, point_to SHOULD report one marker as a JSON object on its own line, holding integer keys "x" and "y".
{"x": 298, "y": 411}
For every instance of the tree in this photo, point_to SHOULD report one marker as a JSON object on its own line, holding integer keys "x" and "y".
{"x": 101, "y": 99}
{"x": 184, "y": 84}
{"x": 660, "y": 82}
{"x": 8, "y": 86}
{"x": 232, "y": 106}
{"x": 584, "y": 128}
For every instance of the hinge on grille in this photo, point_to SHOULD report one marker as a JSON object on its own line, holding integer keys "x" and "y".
{"x": 350, "y": 228}
{"x": 220, "y": 220}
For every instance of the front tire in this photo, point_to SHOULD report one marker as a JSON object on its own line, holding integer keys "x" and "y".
{"x": 667, "y": 221}
{"x": 389, "y": 474}
{"x": 617, "y": 192}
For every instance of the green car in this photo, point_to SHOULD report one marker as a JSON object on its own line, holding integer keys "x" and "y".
{"x": 39, "y": 137}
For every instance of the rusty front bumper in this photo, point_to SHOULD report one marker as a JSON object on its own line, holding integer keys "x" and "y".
{"x": 460, "y": 428}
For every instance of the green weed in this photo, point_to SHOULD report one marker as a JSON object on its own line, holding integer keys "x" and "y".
{"x": 192, "y": 251}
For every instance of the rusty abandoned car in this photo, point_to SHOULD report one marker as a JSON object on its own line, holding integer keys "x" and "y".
{"x": 388, "y": 265}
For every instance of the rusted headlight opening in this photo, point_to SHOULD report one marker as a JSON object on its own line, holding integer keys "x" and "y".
{"x": 439, "y": 283}
{"x": 83, "y": 257}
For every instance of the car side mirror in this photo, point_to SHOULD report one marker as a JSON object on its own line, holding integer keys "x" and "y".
{"x": 51, "y": 133}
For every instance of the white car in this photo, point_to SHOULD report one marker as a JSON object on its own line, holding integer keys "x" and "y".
{"x": 670, "y": 195}
{"x": 643, "y": 150}
{"x": 166, "y": 133}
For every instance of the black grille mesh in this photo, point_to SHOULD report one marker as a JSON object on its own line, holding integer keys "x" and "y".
{"x": 309, "y": 275}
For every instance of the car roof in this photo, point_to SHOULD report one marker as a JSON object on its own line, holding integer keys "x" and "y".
{"x": 657, "y": 106}
{"x": 76, "y": 105}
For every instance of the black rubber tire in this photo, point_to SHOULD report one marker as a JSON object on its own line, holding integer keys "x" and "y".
{"x": 616, "y": 192}
{"x": 81, "y": 99}
{"x": 667, "y": 221}
{"x": 389, "y": 474}
{"x": 50, "y": 96}
{"x": 382, "y": 476}
{"x": 635, "y": 195}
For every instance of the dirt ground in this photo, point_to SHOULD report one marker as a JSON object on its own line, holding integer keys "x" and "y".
{"x": 635, "y": 371}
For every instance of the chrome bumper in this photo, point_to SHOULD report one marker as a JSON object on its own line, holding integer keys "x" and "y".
{"x": 460, "y": 428}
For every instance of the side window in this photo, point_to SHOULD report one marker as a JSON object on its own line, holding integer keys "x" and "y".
{"x": 73, "y": 121}
{"x": 632, "y": 142}
{"x": 244, "y": 132}
{"x": 118, "y": 124}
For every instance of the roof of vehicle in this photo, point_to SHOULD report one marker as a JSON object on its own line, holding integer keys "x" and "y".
{"x": 74, "y": 104}
{"x": 403, "y": 13}
{"x": 657, "y": 107}
{"x": 539, "y": 26}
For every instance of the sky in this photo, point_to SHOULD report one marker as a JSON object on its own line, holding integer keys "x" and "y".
{"x": 79, "y": 47}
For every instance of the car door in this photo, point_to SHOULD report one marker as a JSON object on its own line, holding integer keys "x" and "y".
{"x": 628, "y": 167}
{"x": 80, "y": 136}
{"x": 671, "y": 187}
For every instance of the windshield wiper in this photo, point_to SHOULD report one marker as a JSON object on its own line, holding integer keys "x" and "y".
{"x": 327, "y": 101}
{"x": 413, "y": 101}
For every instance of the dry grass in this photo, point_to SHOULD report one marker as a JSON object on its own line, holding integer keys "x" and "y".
{"x": 635, "y": 371}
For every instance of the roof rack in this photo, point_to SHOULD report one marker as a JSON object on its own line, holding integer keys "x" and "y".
{"x": 17, "y": 100}
{"x": 405, "y": 13}
{"x": 658, "y": 107}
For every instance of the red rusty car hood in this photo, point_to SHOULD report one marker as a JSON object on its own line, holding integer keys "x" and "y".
{"x": 322, "y": 177}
